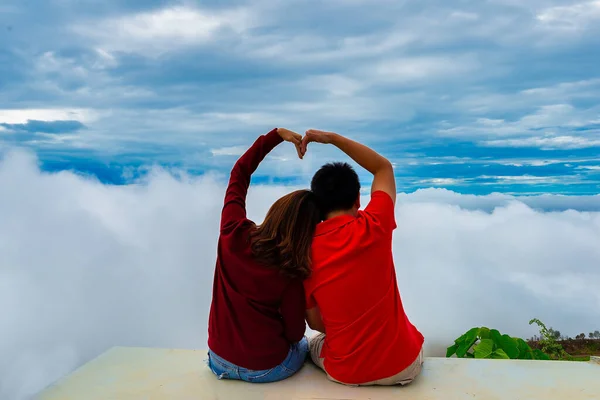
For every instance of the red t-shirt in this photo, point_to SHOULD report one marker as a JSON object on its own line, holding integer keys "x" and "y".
{"x": 256, "y": 313}
{"x": 368, "y": 335}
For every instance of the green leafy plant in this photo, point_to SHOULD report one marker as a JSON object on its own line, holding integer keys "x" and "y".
{"x": 548, "y": 341}
{"x": 490, "y": 343}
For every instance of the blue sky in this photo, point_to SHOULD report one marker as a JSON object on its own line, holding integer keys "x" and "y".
{"x": 472, "y": 96}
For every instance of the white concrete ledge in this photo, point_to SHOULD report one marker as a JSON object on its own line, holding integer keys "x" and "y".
{"x": 141, "y": 373}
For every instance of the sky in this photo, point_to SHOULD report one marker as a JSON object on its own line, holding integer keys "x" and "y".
{"x": 472, "y": 96}
{"x": 119, "y": 123}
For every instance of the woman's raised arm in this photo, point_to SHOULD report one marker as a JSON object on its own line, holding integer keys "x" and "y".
{"x": 234, "y": 208}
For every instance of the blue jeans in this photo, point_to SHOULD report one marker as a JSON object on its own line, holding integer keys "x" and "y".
{"x": 293, "y": 362}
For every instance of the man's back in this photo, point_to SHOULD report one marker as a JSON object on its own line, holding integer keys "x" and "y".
{"x": 354, "y": 285}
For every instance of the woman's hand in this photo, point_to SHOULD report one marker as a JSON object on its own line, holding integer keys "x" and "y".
{"x": 292, "y": 137}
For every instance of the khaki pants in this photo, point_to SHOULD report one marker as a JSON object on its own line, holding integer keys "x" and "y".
{"x": 402, "y": 378}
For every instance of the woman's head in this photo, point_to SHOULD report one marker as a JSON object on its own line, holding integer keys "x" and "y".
{"x": 284, "y": 239}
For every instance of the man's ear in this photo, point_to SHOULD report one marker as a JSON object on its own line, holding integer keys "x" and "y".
{"x": 357, "y": 203}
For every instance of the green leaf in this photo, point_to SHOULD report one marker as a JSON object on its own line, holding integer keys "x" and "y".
{"x": 484, "y": 349}
{"x": 468, "y": 339}
{"x": 496, "y": 337}
{"x": 484, "y": 333}
{"x": 525, "y": 352}
{"x": 510, "y": 347}
{"x": 462, "y": 338}
{"x": 499, "y": 354}
{"x": 471, "y": 334}
{"x": 540, "y": 355}
{"x": 451, "y": 350}
{"x": 522, "y": 345}
{"x": 463, "y": 348}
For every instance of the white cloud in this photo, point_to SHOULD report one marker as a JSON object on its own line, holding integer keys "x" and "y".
{"x": 440, "y": 181}
{"x": 483, "y": 101}
{"x": 229, "y": 151}
{"x": 575, "y": 16}
{"x": 464, "y": 15}
{"x": 312, "y": 48}
{"x": 115, "y": 130}
{"x": 493, "y": 201}
{"x": 583, "y": 88}
{"x": 541, "y": 163}
{"x": 410, "y": 69}
{"x": 551, "y": 115}
{"x": 68, "y": 68}
{"x": 87, "y": 266}
{"x": 546, "y": 143}
{"x": 335, "y": 85}
{"x": 525, "y": 179}
{"x": 503, "y": 180}
{"x": 21, "y": 116}
{"x": 50, "y": 63}
{"x": 397, "y": 29}
{"x": 106, "y": 59}
{"x": 549, "y": 127}
{"x": 166, "y": 29}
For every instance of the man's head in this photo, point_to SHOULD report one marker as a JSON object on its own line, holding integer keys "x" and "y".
{"x": 336, "y": 188}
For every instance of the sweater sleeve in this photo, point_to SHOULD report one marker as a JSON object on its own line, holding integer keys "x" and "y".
{"x": 293, "y": 308}
{"x": 234, "y": 208}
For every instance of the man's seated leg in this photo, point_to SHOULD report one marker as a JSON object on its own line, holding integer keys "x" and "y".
{"x": 315, "y": 344}
{"x": 404, "y": 377}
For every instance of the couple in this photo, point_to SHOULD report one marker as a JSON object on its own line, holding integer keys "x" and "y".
{"x": 315, "y": 257}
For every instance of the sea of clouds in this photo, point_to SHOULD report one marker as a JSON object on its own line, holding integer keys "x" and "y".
{"x": 86, "y": 266}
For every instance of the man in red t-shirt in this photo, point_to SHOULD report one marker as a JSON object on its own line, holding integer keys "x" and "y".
{"x": 352, "y": 295}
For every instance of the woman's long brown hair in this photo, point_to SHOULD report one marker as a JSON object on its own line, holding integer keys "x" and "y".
{"x": 284, "y": 239}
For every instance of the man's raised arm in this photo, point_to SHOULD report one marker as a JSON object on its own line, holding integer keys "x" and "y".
{"x": 379, "y": 166}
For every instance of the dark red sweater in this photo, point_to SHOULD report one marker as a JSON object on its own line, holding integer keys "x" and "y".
{"x": 255, "y": 313}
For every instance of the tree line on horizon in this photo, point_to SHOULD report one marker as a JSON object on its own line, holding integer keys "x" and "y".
{"x": 558, "y": 336}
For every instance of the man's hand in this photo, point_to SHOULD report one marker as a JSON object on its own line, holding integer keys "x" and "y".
{"x": 315, "y": 135}
{"x": 379, "y": 166}
{"x": 292, "y": 137}
{"x": 315, "y": 320}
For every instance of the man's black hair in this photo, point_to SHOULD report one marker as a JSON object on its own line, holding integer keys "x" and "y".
{"x": 336, "y": 187}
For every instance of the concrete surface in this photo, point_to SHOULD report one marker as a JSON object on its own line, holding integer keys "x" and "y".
{"x": 153, "y": 374}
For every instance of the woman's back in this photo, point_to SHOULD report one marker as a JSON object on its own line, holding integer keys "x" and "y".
{"x": 245, "y": 324}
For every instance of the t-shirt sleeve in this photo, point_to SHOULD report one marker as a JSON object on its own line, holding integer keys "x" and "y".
{"x": 380, "y": 211}
{"x": 234, "y": 207}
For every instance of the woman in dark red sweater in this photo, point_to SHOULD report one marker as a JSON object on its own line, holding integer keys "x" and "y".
{"x": 256, "y": 324}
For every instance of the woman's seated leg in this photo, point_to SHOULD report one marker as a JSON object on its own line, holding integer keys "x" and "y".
{"x": 223, "y": 369}
{"x": 292, "y": 364}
